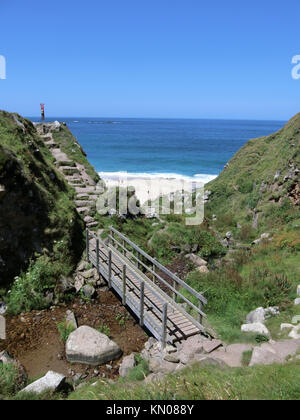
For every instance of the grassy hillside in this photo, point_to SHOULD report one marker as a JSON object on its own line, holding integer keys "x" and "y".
{"x": 259, "y": 187}
{"x": 38, "y": 221}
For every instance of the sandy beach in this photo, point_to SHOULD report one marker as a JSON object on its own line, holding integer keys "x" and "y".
{"x": 152, "y": 186}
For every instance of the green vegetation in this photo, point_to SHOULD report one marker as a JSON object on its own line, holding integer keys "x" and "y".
{"x": 255, "y": 179}
{"x": 261, "y": 277}
{"x": 70, "y": 146}
{"x": 38, "y": 216}
{"x": 195, "y": 383}
{"x": 8, "y": 379}
{"x": 28, "y": 290}
{"x": 104, "y": 329}
{"x": 65, "y": 329}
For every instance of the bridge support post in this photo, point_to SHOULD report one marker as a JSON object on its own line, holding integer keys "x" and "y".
{"x": 200, "y": 308}
{"x": 164, "y": 326}
{"x": 97, "y": 255}
{"x": 124, "y": 285}
{"x": 142, "y": 299}
{"x": 109, "y": 269}
{"x": 87, "y": 245}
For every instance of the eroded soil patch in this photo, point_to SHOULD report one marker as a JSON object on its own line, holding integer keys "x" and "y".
{"x": 33, "y": 338}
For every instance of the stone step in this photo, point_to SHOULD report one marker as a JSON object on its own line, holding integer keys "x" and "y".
{"x": 86, "y": 190}
{"x": 51, "y": 144}
{"x": 82, "y": 203}
{"x": 83, "y": 210}
{"x": 92, "y": 224}
{"x": 69, "y": 170}
{"x": 88, "y": 219}
{"x": 67, "y": 163}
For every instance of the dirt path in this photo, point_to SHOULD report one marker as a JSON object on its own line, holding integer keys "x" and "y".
{"x": 33, "y": 338}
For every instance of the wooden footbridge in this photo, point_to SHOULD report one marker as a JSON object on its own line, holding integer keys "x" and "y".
{"x": 149, "y": 289}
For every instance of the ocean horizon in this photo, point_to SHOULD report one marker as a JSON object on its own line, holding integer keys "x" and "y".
{"x": 147, "y": 148}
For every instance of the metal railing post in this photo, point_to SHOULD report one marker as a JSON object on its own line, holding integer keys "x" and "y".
{"x": 109, "y": 268}
{"x": 124, "y": 285}
{"x": 164, "y": 326}
{"x": 200, "y": 306}
{"x": 97, "y": 255}
{"x": 142, "y": 299}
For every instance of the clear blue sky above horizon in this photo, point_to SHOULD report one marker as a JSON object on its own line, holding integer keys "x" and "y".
{"x": 167, "y": 58}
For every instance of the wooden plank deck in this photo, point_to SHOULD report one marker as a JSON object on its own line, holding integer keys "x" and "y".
{"x": 155, "y": 309}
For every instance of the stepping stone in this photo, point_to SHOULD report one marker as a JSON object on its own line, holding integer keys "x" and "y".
{"x": 82, "y": 203}
{"x": 83, "y": 210}
{"x": 88, "y": 219}
{"x": 92, "y": 224}
{"x": 85, "y": 190}
{"x": 69, "y": 170}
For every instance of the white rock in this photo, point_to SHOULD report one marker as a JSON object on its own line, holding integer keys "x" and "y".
{"x": 70, "y": 319}
{"x": 52, "y": 381}
{"x": 297, "y": 302}
{"x": 295, "y": 333}
{"x": 2, "y": 308}
{"x": 264, "y": 356}
{"x": 195, "y": 259}
{"x": 256, "y": 316}
{"x": 88, "y": 346}
{"x": 2, "y": 328}
{"x": 286, "y": 326}
{"x": 257, "y": 327}
{"x": 127, "y": 364}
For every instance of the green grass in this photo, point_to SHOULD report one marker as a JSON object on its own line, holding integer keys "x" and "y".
{"x": 261, "y": 277}
{"x": 8, "y": 379}
{"x": 53, "y": 223}
{"x": 65, "y": 329}
{"x": 104, "y": 329}
{"x": 258, "y": 383}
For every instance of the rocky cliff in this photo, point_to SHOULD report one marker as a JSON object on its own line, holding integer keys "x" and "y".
{"x": 37, "y": 211}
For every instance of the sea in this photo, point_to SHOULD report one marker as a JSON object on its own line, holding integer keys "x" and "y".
{"x": 170, "y": 148}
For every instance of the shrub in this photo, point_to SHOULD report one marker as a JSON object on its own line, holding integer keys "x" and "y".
{"x": 65, "y": 329}
{"x": 28, "y": 290}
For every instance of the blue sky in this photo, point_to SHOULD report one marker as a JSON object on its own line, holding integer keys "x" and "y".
{"x": 166, "y": 58}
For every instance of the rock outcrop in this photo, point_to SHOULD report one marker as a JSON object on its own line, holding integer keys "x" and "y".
{"x": 90, "y": 347}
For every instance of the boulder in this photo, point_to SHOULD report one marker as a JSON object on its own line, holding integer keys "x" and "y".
{"x": 159, "y": 365}
{"x": 90, "y": 347}
{"x": 154, "y": 377}
{"x": 256, "y": 327}
{"x": 264, "y": 356}
{"x": 52, "y": 381}
{"x": 191, "y": 347}
{"x": 5, "y": 357}
{"x": 2, "y": 308}
{"x": 127, "y": 364}
{"x": 2, "y": 328}
{"x": 286, "y": 327}
{"x": 88, "y": 291}
{"x": 295, "y": 333}
{"x": 258, "y": 315}
{"x": 203, "y": 269}
{"x": 297, "y": 302}
{"x": 211, "y": 361}
{"x": 196, "y": 260}
{"x": 71, "y": 320}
